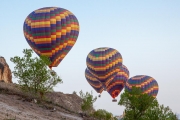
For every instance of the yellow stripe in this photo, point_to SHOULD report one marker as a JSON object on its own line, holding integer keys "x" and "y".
{"x": 141, "y": 84}
{"x": 91, "y": 78}
{"x": 45, "y": 10}
{"x": 108, "y": 81}
{"x": 54, "y": 64}
{"x": 58, "y": 33}
{"x": 151, "y": 89}
{"x": 75, "y": 27}
{"x": 123, "y": 73}
{"x": 105, "y": 67}
{"x": 48, "y": 23}
{"x": 53, "y": 21}
{"x": 37, "y": 24}
{"x": 107, "y": 75}
{"x": 58, "y": 18}
{"x": 96, "y": 86}
{"x": 94, "y": 58}
{"x": 40, "y": 40}
{"x": 116, "y": 83}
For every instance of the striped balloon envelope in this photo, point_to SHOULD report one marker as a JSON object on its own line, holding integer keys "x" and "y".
{"x": 52, "y": 32}
{"x": 147, "y": 84}
{"x": 104, "y": 63}
{"x": 98, "y": 87}
{"x": 117, "y": 84}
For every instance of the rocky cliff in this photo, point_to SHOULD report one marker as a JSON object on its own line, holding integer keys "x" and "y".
{"x": 5, "y": 72}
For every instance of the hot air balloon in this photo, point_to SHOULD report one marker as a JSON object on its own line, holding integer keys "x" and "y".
{"x": 146, "y": 83}
{"x": 104, "y": 63}
{"x": 93, "y": 82}
{"x": 52, "y": 32}
{"x": 117, "y": 84}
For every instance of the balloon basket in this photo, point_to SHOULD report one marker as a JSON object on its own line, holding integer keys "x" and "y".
{"x": 114, "y": 100}
{"x": 99, "y": 95}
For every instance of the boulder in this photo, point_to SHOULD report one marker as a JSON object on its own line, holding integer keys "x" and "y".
{"x": 71, "y": 102}
{"x": 5, "y": 72}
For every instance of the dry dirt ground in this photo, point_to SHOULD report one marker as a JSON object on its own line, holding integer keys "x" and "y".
{"x": 14, "y": 106}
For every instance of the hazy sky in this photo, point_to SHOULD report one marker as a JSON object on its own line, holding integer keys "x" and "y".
{"x": 145, "y": 32}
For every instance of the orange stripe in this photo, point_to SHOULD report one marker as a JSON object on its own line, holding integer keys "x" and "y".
{"x": 140, "y": 84}
{"x": 103, "y": 68}
{"x": 115, "y": 83}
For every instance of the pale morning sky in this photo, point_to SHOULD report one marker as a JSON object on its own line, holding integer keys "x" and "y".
{"x": 146, "y": 33}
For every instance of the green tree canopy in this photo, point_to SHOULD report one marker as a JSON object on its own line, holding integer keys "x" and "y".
{"x": 33, "y": 73}
{"x": 88, "y": 100}
{"x": 160, "y": 112}
{"x": 102, "y": 114}
{"x": 136, "y": 103}
{"x": 139, "y": 106}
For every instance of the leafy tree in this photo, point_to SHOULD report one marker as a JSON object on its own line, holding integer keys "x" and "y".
{"x": 101, "y": 114}
{"x": 33, "y": 74}
{"x": 74, "y": 92}
{"x": 115, "y": 118}
{"x": 141, "y": 106}
{"x": 88, "y": 100}
{"x": 136, "y": 103}
{"x": 160, "y": 113}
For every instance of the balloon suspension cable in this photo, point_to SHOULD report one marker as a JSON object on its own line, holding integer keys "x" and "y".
{"x": 104, "y": 87}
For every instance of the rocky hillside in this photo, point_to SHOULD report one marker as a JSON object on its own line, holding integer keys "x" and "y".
{"x": 5, "y": 72}
{"x": 18, "y": 105}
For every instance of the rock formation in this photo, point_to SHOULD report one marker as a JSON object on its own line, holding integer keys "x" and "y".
{"x": 5, "y": 72}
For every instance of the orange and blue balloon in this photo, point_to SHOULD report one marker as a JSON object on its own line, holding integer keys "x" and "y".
{"x": 115, "y": 87}
{"x": 52, "y": 32}
{"x": 98, "y": 87}
{"x": 104, "y": 63}
{"x": 146, "y": 83}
